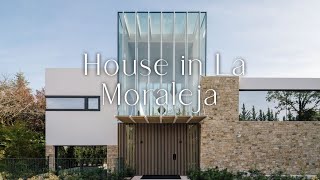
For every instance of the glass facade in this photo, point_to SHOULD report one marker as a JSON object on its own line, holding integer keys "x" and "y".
{"x": 149, "y": 36}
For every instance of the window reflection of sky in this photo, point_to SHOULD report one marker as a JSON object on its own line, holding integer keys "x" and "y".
{"x": 65, "y": 103}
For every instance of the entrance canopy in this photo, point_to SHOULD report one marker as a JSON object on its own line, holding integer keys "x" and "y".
{"x": 161, "y": 119}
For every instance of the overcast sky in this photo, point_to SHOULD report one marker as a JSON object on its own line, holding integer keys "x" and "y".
{"x": 276, "y": 38}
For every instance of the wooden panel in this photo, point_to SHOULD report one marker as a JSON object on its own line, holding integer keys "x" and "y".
{"x": 182, "y": 119}
{"x": 197, "y": 119}
{"x": 139, "y": 119}
{"x": 149, "y": 148}
{"x": 124, "y": 119}
{"x": 154, "y": 119}
{"x": 168, "y": 119}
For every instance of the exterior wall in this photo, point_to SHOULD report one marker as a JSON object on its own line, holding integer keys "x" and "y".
{"x": 50, "y": 154}
{"x": 112, "y": 157}
{"x": 229, "y": 143}
{"x": 80, "y": 127}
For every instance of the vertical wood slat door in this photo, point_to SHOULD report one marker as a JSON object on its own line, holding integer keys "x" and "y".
{"x": 159, "y": 149}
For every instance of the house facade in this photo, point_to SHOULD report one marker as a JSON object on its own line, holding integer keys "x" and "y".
{"x": 254, "y": 123}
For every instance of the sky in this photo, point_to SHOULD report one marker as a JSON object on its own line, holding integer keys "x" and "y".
{"x": 276, "y": 38}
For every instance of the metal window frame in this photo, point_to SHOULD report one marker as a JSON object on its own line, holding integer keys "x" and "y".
{"x": 86, "y": 108}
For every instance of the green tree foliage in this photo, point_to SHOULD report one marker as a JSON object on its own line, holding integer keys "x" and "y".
{"x": 260, "y": 117}
{"x": 317, "y": 116}
{"x": 245, "y": 115}
{"x": 303, "y": 103}
{"x": 276, "y": 116}
{"x": 253, "y": 114}
{"x": 290, "y": 116}
{"x": 93, "y": 152}
{"x": 82, "y": 152}
{"x": 264, "y": 117}
{"x": 269, "y": 115}
{"x": 74, "y": 155}
{"x": 18, "y": 141}
{"x": 257, "y": 116}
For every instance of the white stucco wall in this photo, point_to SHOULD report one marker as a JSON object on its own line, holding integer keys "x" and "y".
{"x": 80, "y": 127}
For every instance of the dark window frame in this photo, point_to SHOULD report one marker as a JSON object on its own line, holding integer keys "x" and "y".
{"x": 86, "y": 108}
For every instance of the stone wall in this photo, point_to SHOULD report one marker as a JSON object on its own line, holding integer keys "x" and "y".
{"x": 112, "y": 157}
{"x": 50, "y": 154}
{"x": 226, "y": 142}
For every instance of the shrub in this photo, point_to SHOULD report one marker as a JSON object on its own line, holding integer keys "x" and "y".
{"x": 224, "y": 174}
{"x": 209, "y": 174}
{"x": 86, "y": 173}
{"x": 96, "y": 174}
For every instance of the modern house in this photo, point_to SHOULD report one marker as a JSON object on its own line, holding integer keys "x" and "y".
{"x": 262, "y": 123}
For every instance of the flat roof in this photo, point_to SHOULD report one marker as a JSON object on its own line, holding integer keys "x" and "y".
{"x": 270, "y": 83}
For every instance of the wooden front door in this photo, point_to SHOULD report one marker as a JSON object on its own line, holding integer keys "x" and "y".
{"x": 159, "y": 149}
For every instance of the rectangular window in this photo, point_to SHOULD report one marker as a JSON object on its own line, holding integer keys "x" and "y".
{"x": 279, "y": 105}
{"x": 93, "y": 103}
{"x": 73, "y": 103}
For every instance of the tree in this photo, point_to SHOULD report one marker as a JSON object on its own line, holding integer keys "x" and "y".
{"x": 17, "y": 103}
{"x": 290, "y": 116}
{"x": 19, "y": 141}
{"x": 22, "y": 116}
{"x": 272, "y": 116}
{"x": 269, "y": 118}
{"x": 304, "y": 103}
{"x": 276, "y": 116}
{"x": 38, "y": 111}
{"x": 245, "y": 115}
{"x": 253, "y": 114}
{"x": 264, "y": 116}
{"x": 260, "y": 117}
{"x": 317, "y": 116}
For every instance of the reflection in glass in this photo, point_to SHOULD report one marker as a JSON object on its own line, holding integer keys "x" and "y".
{"x": 279, "y": 105}
{"x": 65, "y": 103}
{"x": 93, "y": 103}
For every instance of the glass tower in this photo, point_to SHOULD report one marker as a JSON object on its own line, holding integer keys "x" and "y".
{"x": 172, "y": 36}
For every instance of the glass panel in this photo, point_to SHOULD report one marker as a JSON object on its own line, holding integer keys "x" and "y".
{"x": 167, "y": 54}
{"x": 279, "y": 105}
{"x": 122, "y": 55}
{"x": 93, "y": 103}
{"x": 155, "y": 23}
{"x": 194, "y": 55}
{"x": 203, "y": 28}
{"x": 65, "y": 103}
{"x": 167, "y": 29}
{"x": 155, "y": 54}
{"x": 142, "y": 53}
{"x": 180, "y": 51}
{"x": 129, "y": 20}
{"x": 129, "y": 55}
